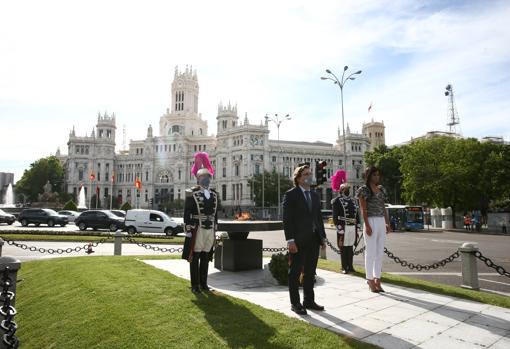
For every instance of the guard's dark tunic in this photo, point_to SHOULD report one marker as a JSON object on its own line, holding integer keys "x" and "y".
{"x": 199, "y": 212}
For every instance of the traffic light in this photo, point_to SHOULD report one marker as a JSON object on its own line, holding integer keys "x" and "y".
{"x": 151, "y": 201}
{"x": 321, "y": 173}
{"x": 138, "y": 184}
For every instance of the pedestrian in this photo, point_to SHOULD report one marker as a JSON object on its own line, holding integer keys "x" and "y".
{"x": 304, "y": 232}
{"x": 372, "y": 197}
{"x": 467, "y": 221}
{"x": 200, "y": 220}
{"x": 345, "y": 213}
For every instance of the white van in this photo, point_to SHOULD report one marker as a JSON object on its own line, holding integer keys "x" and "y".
{"x": 151, "y": 221}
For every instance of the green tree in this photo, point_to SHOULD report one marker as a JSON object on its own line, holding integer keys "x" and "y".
{"x": 388, "y": 161}
{"x": 43, "y": 170}
{"x": 494, "y": 184}
{"x": 442, "y": 171}
{"x": 270, "y": 187}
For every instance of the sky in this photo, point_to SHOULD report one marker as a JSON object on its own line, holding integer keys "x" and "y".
{"x": 62, "y": 62}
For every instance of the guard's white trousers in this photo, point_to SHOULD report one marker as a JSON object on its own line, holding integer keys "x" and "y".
{"x": 204, "y": 240}
{"x": 374, "y": 247}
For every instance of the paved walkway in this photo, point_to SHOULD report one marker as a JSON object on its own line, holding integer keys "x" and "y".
{"x": 400, "y": 318}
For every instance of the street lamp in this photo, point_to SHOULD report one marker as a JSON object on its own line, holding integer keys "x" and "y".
{"x": 341, "y": 83}
{"x": 278, "y": 121}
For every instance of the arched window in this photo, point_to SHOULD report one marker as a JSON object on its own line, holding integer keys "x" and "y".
{"x": 165, "y": 179}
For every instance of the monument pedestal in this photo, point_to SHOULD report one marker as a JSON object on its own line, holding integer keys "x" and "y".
{"x": 237, "y": 255}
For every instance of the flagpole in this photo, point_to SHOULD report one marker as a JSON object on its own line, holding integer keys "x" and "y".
{"x": 111, "y": 190}
{"x": 90, "y": 193}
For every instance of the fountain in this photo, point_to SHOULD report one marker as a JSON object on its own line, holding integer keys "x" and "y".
{"x": 81, "y": 199}
{"x": 8, "y": 198}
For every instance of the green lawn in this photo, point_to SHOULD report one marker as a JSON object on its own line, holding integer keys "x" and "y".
{"x": 120, "y": 302}
{"x": 479, "y": 296}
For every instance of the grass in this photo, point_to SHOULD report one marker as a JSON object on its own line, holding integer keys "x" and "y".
{"x": 87, "y": 238}
{"x": 479, "y": 296}
{"x": 120, "y": 302}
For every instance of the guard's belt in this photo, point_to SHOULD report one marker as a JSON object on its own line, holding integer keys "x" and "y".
{"x": 347, "y": 220}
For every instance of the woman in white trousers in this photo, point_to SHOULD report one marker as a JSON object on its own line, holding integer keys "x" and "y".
{"x": 372, "y": 197}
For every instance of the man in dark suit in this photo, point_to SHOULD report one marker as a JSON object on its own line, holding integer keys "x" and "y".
{"x": 304, "y": 232}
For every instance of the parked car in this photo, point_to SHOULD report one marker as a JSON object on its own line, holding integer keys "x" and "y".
{"x": 99, "y": 219}
{"x": 119, "y": 213}
{"x": 151, "y": 221}
{"x": 6, "y": 217}
{"x": 39, "y": 216}
{"x": 71, "y": 215}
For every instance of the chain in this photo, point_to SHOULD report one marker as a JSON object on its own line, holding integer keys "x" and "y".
{"x": 8, "y": 312}
{"x": 274, "y": 249}
{"x": 336, "y": 250}
{"x": 58, "y": 250}
{"x": 488, "y": 262}
{"x": 419, "y": 267}
{"x": 154, "y": 248}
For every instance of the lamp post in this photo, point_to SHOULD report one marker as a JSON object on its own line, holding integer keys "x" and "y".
{"x": 278, "y": 121}
{"x": 341, "y": 83}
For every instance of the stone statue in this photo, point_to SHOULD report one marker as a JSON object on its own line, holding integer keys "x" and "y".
{"x": 47, "y": 187}
{"x": 48, "y": 195}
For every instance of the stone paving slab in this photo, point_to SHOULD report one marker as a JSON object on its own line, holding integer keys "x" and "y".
{"x": 399, "y": 318}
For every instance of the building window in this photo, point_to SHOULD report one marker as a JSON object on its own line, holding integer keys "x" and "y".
{"x": 236, "y": 170}
{"x": 224, "y": 192}
{"x": 274, "y": 158}
{"x": 80, "y": 174}
{"x": 164, "y": 179}
{"x": 224, "y": 172}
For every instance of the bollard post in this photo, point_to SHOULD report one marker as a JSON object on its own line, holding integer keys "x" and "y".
{"x": 9, "y": 267}
{"x": 323, "y": 254}
{"x": 117, "y": 244}
{"x": 469, "y": 267}
{"x": 2, "y": 242}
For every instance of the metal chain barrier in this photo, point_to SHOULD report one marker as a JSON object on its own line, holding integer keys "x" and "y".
{"x": 274, "y": 249}
{"x": 488, "y": 262}
{"x": 8, "y": 312}
{"x": 419, "y": 267}
{"x": 336, "y": 250}
{"x": 58, "y": 250}
{"x": 154, "y": 248}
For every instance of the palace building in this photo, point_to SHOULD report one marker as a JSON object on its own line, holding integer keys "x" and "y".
{"x": 238, "y": 151}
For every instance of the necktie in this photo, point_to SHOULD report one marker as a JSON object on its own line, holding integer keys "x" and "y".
{"x": 308, "y": 199}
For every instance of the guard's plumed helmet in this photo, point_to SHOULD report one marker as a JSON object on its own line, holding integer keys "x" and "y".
{"x": 202, "y": 165}
{"x": 339, "y": 178}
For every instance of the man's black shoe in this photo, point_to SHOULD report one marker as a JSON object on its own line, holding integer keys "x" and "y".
{"x": 206, "y": 288}
{"x": 313, "y": 306}
{"x": 195, "y": 290}
{"x": 298, "y": 309}
{"x": 344, "y": 271}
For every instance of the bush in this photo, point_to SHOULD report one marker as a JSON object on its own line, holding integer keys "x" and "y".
{"x": 279, "y": 267}
{"x": 125, "y": 206}
{"x": 70, "y": 206}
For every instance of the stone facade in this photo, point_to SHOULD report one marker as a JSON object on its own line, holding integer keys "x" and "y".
{"x": 163, "y": 162}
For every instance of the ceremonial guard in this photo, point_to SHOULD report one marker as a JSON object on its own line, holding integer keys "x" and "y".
{"x": 345, "y": 212}
{"x": 200, "y": 220}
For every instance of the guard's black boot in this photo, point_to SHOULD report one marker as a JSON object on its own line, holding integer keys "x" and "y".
{"x": 193, "y": 271}
{"x": 204, "y": 269}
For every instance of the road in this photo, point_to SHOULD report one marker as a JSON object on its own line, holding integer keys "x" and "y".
{"x": 415, "y": 247}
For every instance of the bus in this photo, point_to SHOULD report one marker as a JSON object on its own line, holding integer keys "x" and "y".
{"x": 404, "y": 217}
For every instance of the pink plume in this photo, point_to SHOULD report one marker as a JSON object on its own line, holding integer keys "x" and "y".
{"x": 201, "y": 161}
{"x": 338, "y": 179}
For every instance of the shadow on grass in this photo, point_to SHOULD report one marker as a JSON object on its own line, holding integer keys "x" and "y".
{"x": 237, "y": 325}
